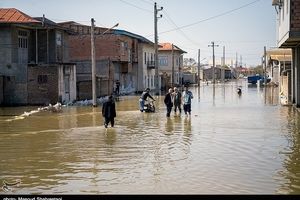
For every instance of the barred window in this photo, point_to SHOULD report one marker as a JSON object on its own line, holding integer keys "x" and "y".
{"x": 22, "y": 39}
{"x": 42, "y": 79}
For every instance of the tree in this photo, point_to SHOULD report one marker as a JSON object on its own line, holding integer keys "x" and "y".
{"x": 258, "y": 70}
{"x": 189, "y": 62}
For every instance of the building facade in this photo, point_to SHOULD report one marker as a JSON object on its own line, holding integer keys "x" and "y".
{"x": 288, "y": 36}
{"x": 34, "y": 66}
{"x": 170, "y": 58}
{"x": 146, "y": 69}
{"x": 118, "y": 58}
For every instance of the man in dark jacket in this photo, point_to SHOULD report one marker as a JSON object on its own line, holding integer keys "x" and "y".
{"x": 177, "y": 100}
{"x": 109, "y": 112}
{"x": 169, "y": 102}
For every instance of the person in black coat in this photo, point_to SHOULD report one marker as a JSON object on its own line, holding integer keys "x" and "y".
{"x": 169, "y": 101}
{"x": 109, "y": 112}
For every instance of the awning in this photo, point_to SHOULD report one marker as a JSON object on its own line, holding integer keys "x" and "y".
{"x": 280, "y": 54}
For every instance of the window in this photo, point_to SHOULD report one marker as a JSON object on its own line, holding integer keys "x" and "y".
{"x": 58, "y": 38}
{"x": 42, "y": 79}
{"x": 145, "y": 57}
{"x": 22, "y": 39}
{"x": 148, "y": 82}
{"x": 163, "y": 61}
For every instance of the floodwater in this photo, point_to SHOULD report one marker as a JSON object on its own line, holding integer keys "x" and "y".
{"x": 231, "y": 144}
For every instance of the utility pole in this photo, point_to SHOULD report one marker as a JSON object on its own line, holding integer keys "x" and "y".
{"x": 236, "y": 60}
{"x": 172, "y": 65}
{"x": 265, "y": 66}
{"x": 199, "y": 67}
{"x": 223, "y": 66}
{"x": 241, "y": 61}
{"x": 156, "y": 47}
{"x": 213, "y": 69}
{"x": 224, "y": 63}
{"x": 93, "y": 63}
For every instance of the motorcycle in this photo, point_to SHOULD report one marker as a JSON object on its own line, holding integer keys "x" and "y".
{"x": 149, "y": 106}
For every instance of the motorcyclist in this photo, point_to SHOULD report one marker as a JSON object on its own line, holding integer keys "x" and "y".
{"x": 144, "y": 97}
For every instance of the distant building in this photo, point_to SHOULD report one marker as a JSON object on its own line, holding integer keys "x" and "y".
{"x": 220, "y": 73}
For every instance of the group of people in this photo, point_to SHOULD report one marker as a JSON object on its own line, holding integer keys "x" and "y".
{"x": 175, "y": 98}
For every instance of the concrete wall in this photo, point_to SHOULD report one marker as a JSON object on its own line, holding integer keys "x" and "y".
{"x": 105, "y": 71}
{"x": 13, "y": 67}
{"x": 189, "y": 77}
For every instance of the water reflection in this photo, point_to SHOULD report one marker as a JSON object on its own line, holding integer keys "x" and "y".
{"x": 291, "y": 171}
{"x": 229, "y": 145}
{"x": 187, "y": 126}
{"x": 169, "y": 125}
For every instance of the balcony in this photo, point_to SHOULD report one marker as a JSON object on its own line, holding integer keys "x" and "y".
{"x": 150, "y": 64}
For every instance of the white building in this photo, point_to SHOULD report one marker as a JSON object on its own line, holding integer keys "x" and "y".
{"x": 146, "y": 69}
{"x": 170, "y": 59}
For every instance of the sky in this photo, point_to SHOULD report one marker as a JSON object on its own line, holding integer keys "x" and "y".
{"x": 243, "y": 27}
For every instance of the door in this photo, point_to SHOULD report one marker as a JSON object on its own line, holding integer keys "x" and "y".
{"x": 22, "y": 47}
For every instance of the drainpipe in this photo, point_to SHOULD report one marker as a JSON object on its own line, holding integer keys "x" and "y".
{"x": 36, "y": 47}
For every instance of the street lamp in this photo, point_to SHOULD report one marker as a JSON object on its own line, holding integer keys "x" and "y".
{"x": 94, "y": 59}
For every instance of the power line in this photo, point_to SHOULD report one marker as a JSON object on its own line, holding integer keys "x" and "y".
{"x": 148, "y": 2}
{"x": 180, "y": 31}
{"x": 149, "y": 11}
{"x": 210, "y": 18}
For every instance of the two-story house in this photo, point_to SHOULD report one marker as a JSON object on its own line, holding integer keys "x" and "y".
{"x": 118, "y": 54}
{"x": 34, "y": 61}
{"x": 170, "y": 64}
{"x": 146, "y": 69}
{"x": 288, "y": 36}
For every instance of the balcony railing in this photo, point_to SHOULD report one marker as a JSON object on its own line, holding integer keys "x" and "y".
{"x": 150, "y": 64}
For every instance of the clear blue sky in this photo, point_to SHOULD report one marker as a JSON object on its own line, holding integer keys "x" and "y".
{"x": 243, "y": 30}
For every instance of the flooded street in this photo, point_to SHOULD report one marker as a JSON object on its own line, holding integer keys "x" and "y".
{"x": 231, "y": 144}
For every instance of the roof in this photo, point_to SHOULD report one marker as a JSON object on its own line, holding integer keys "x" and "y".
{"x": 133, "y": 35}
{"x": 46, "y": 21}
{"x": 12, "y": 15}
{"x": 168, "y": 47}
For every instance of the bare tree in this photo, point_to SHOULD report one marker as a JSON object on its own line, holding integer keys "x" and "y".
{"x": 189, "y": 62}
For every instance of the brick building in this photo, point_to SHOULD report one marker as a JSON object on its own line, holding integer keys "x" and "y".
{"x": 118, "y": 57}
